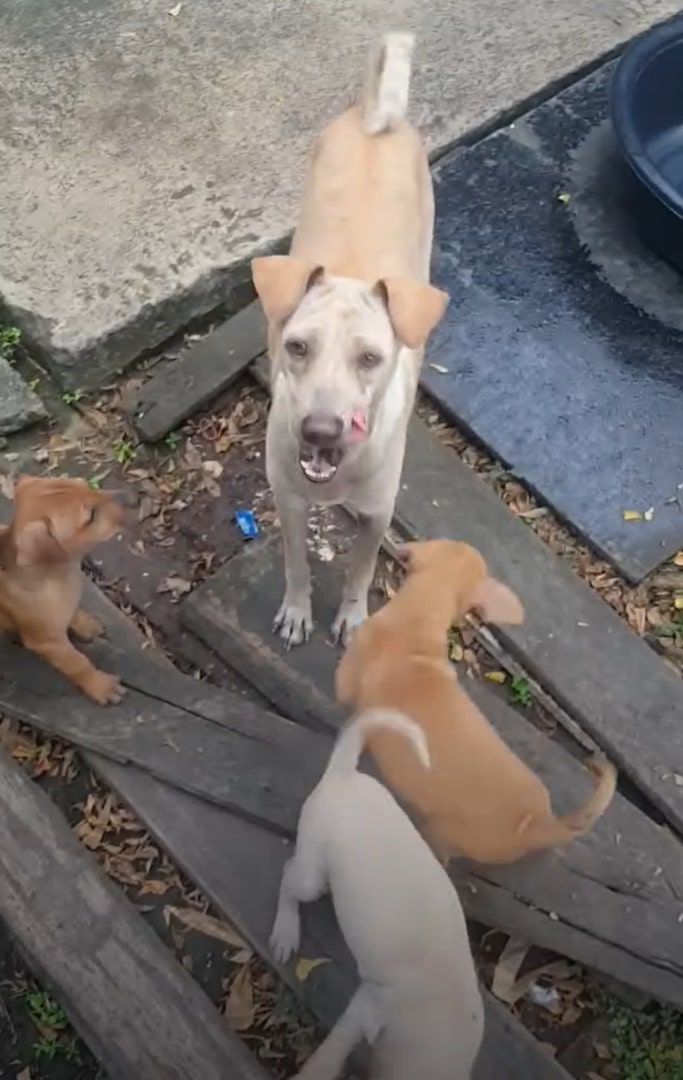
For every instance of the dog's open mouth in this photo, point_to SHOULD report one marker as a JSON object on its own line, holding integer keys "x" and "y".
{"x": 319, "y": 465}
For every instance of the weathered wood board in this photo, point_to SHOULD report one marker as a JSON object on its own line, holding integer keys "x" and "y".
{"x": 612, "y": 900}
{"x": 138, "y": 1010}
{"x": 206, "y": 742}
{"x": 202, "y": 371}
{"x": 237, "y": 864}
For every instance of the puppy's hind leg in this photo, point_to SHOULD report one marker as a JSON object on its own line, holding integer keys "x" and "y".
{"x": 359, "y": 1021}
{"x": 304, "y": 879}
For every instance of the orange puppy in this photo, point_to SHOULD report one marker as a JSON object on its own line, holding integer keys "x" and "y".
{"x": 56, "y": 523}
{"x": 478, "y": 799}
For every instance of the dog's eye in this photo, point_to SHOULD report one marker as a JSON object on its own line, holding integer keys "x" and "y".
{"x": 296, "y": 347}
{"x": 369, "y": 359}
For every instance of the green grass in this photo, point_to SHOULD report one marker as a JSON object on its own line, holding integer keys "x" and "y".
{"x": 72, "y": 397}
{"x": 55, "y": 1037}
{"x": 646, "y": 1045}
{"x": 520, "y": 692}
{"x": 172, "y": 441}
{"x": 124, "y": 451}
{"x": 10, "y": 336}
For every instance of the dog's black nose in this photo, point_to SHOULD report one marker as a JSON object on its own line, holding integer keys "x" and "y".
{"x": 322, "y": 429}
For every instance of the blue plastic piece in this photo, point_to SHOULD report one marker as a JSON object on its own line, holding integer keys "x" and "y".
{"x": 246, "y": 523}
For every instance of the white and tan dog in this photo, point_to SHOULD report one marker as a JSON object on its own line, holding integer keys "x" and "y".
{"x": 418, "y": 1003}
{"x": 349, "y": 311}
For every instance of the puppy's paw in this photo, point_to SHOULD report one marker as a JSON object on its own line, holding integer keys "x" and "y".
{"x": 86, "y": 627}
{"x": 286, "y": 934}
{"x": 294, "y": 622}
{"x": 349, "y": 617}
{"x": 103, "y": 688}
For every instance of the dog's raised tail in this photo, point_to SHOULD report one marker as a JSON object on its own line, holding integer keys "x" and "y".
{"x": 387, "y": 83}
{"x": 351, "y": 741}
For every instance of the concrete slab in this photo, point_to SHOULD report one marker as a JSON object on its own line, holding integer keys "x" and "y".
{"x": 19, "y": 406}
{"x": 146, "y": 154}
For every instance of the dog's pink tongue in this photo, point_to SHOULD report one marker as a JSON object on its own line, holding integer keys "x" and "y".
{"x": 359, "y": 425}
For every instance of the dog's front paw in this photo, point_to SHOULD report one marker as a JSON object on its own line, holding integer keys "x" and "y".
{"x": 294, "y": 622}
{"x": 286, "y": 934}
{"x": 349, "y": 617}
{"x": 103, "y": 688}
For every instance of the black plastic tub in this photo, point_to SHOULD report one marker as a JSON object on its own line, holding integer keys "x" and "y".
{"x": 647, "y": 114}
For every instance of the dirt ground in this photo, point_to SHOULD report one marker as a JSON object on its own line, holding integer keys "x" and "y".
{"x": 188, "y": 490}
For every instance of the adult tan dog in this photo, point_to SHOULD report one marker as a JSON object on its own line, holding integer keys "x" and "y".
{"x": 478, "y": 799}
{"x": 349, "y": 311}
{"x": 418, "y": 1003}
{"x": 56, "y": 523}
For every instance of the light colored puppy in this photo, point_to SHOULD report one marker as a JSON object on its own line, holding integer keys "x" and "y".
{"x": 418, "y": 1003}
{"x": 349, "y": 311}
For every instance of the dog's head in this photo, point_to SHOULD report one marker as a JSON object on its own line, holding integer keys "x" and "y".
{"x": 58, "y": 520}
{"x": 453, "y": 565}
{"x": 336, "y": 343}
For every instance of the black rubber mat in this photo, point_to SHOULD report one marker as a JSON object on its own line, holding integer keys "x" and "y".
{"x": 562, "y": 347}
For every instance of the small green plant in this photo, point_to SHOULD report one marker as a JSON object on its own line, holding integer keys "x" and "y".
{"x": 172, "y": 441}
{"x": 646, "y": 1045}
{"x": 124, "y": 451}
{"x": 53, "y": 1027}
{"x": 94, "y": 482}
{"x": 34, "y": 383}
{"x": 10, "y": 336}
{"x": 72, "y": 397}
{"x": 520, "y": 691}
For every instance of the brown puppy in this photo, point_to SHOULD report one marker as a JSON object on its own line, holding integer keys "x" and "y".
{"x": 56, "y": 523}
{"x": 479, "y": 799}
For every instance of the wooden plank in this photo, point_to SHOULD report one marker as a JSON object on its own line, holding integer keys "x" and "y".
{"x": 215, "y": 745}
{"x": 202, "y": 371}
{"x": 244, "y": 881}
{"x": 571, "y": 642}
{"x": 609, "y": 680}
{"x": 137, "y": 1009}
{"x": 611, "y": 900}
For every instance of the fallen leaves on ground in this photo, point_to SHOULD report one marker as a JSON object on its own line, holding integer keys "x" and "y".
{"x": 206, "y": 924}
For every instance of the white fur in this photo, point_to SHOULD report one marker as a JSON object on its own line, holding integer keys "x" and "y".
{"x": 418, "y": 1002}
{"x": 387, "y": 84}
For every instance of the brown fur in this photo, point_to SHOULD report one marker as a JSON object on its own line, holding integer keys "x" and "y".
{"x": 56, "y": 523}
{"x": 479, "y": 799}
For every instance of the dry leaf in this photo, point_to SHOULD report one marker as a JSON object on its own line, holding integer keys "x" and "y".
{"x": 25, "y": 1074}
{"x": 154, "y": 887}
{"x": 678, "y": 603}
{"x": 214, "y": 469}
{"x": 239, "y": 1008}
{"x": 178, "y": 586}
{"x": 206, "y": 924}
{"x": 495, "y": 676}
{"x": 632, "y": 515}
{"x": 504, "y": 985}
{"x": 678, "y": 558}
{"x": 304, "y": 967}
{"x": 439, "y": 367}
{"x": 174, "y": 12}
{"x": 649, "y": 514}
{"x": 563, "y": 197}
{"x": 7, "y": 486}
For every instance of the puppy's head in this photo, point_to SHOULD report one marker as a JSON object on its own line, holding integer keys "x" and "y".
{"x": 450, "y": 565}
{"x": 57, "y": 520}
{"x": 336, "y": 344}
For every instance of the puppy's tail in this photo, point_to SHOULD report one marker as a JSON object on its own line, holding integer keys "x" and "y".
{"x": 605, "y": 781}
{"x": 349, "y": 745}
{"x": 387, "y": 83}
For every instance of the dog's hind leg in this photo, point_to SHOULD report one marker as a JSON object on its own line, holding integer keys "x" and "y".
{"x": 304, "y": 879}
{"x": 359, "y": 1021}
{"x": 354, "y": 605}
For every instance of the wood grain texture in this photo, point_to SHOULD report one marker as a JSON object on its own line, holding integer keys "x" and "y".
{"x": 137, "y": 1009}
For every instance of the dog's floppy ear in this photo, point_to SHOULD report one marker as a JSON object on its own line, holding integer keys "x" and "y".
{"x": 281, "y": 282}
{"x": 36, "y": 545}
{"x": 496, "y": 603}
{"x": 414, "y": 308}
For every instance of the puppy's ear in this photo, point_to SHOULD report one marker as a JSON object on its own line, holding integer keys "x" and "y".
{"x": 281, "y": 282}
{"x": 414, "y": 308}
{"x": 36, "y": 545}
{"x": 496, "y": 603}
